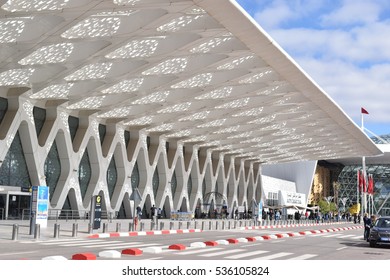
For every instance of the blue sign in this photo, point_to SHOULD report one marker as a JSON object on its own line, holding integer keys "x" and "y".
{"x": 260, "y": 211}
{"x": 40, "y": 205}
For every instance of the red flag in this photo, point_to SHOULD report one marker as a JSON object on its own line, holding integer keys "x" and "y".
{"x": 364, "y": 180}
{"x": 370, "y": 184}
{"x": 360, "y": 180}
{"x": 364, "y": 111}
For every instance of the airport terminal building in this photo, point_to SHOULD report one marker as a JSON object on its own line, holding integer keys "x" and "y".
{"x": 189, "y": 102}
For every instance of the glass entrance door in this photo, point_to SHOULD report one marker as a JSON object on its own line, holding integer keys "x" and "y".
{"x": 18, "y": 206}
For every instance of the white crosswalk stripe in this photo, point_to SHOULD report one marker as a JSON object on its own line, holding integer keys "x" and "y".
{"x": 357, "y": 237}
{"x": 274, "y": 256}
{"x": 82, "y": 244}
{"x": 332, "y": 235}
{"x": 225, "y": 252}
{"x": 72, "y": 243}
{"x": 346, "y": 236}
{"x": 303, "y": 257}
{"x": 139, "y": 245}
{"x": 193, "y": 252}
{"x": 108, "y": 244}
{"x": 95, "y": 243}
{"x": 244, "y": 255}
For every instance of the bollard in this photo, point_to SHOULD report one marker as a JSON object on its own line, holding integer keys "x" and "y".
{"x": 131, "y": 226}
{"x": 141, "y": 228}
{"x": 171, "y": 225}
{"x": 118, "y": 227}
{"x": 195, "y": 224}
{"x": 37, "y": 231}
{"x": 210, "y": 225}
{"x": 216, "y": 225}
{"x": 75, "y": 228}
{"x": 202, "y": 225}
{"x": 56, "y": 230}
{"x": 223, "y": 225}
{"x": 105, "y": 227}
{"x": 15, "y": 232}
{"x": 180, "y": 223}
{"x": 32, "y": 223}
{"x": 188, "y": 225}
{"x": 161, "y": 225}
{"x": 152, "y": 225}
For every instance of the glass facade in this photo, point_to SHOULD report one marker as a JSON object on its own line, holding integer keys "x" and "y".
{"x": 71, "y": 183}
{"x": 14, "y": 171}
{"x": 173, "y": 184}
{"x": 135, "y": 176}
{"x": 112, "y": 177}
{"x": 155, "y": 182}
{"x": 3, "y": 108}
{"x": 381, "y": 175}
{"x": 39, "y": 118}
{"x": 189, "y": 186}
{"x": 84, "y": 173}
{"x": 52, "y": 168}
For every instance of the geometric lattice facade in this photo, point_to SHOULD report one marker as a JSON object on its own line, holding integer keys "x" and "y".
{"x": 78, "y": 158}
{"x": 179, "y": 98}
{"x": 381, "y": 175}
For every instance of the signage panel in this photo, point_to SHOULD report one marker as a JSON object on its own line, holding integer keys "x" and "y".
{"x": 97, "y": 212}
{"x": 40, "y": 205}
{"x": 260, "y": 211}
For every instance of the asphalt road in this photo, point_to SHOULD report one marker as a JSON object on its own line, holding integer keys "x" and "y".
{"x": 327, "y": 245}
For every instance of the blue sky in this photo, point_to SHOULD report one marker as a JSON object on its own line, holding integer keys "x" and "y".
{"x": 343, "y": 45}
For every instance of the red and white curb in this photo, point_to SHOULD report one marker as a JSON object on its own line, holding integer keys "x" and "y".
{"x": 155, "y": 250}
{"x": 284, "y": 226}
{"x": 142, "y": 233}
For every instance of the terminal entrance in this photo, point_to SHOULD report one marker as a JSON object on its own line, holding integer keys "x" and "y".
{"x": 14, "y": 204}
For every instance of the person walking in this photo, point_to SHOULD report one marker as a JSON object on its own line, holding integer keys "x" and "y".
{"x": 367, "y": 226}
{"x": 139, "y": 213}
{"x": 152, "y": 212}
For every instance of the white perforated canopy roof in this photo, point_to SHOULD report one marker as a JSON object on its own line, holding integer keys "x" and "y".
{"x": 197, "y": 72}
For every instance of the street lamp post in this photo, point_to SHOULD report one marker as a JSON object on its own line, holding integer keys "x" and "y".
{"x": 344, "y": 202}
{"x": 329, "y": 199}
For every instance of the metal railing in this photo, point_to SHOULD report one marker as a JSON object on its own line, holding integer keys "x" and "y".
{"x": 57, "y": 214}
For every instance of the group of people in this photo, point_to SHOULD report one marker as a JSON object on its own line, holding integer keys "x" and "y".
{"x": 154, "y": 213}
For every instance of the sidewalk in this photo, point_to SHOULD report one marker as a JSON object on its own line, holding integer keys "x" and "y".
{"x": 20, "y": 229}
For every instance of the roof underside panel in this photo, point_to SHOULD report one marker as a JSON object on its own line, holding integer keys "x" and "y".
{"x": 198, "y": 72}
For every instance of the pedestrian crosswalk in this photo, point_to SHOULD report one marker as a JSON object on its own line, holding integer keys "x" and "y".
{"x": 338, "y": 235}
{"x": 94, "y": 243}
{"x": 243, "y": 252}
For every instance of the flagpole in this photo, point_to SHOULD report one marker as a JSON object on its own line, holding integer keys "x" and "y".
{"x": 358, "y": 186}
{"x": 364, "y": 193}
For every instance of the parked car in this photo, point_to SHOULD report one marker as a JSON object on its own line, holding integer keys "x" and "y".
{"x": 380, "y": 232}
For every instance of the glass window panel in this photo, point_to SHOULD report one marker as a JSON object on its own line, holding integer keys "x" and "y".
{"x": 135, "y": 176}
{"x": 73, "y": 126}
{"x": 155, "y": 182}
{"x": 39, "y": 118}
{"x": 173, "y": 184}
{"x": 13, "y": 171}
{"x": 112, "y": 176}
{"x": 3, "y": 108}
{"x": 85, "y": 173}
{"x": 52, "y": 168}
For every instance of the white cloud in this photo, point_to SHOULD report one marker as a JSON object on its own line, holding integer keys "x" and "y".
{"x": 353, "y": 12}
{"x": 343, "y": 46}
{"x": 352, "y": 87}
